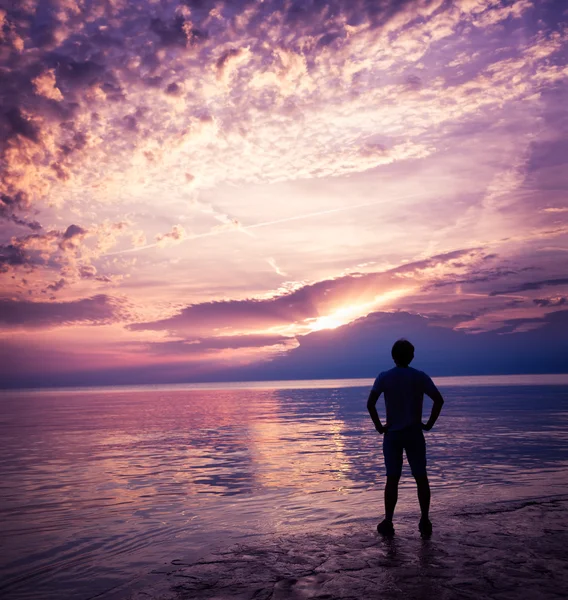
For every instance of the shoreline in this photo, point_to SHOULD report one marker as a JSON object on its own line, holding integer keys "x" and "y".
{"x": 502, "y": 550}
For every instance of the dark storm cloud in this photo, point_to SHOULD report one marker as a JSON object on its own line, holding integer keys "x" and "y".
{"x": 531, "y": 285}
{"x": 98, "y": 310}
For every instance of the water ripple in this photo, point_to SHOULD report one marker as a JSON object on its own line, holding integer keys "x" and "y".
{"x": 97, "y": 484}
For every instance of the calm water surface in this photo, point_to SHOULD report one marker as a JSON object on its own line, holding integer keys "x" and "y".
{"x": 100, "y": 485}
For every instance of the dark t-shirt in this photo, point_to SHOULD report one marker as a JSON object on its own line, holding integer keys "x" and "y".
{"x": 404, "y": 389}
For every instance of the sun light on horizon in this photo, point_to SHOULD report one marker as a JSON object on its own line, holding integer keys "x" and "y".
{"x": 349, "y": 313}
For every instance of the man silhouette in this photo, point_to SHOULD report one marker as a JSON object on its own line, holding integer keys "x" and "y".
{"x": 404, "y": 389}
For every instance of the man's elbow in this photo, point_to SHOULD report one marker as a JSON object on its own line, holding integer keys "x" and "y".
{"x": 439, "y": 401}
{"x": 372, "y": 401}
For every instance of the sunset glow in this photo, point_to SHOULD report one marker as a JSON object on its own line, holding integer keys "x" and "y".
{"x": 349, "y": 313}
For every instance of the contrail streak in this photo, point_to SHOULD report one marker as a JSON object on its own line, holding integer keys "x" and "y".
{"x": 245, "y": 228}
{"x": 309, "y": 215}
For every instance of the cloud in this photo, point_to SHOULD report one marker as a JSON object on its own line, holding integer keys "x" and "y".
{"x": 362, "y": 349}
{"x": 175, "y": 236}
{"x": 127, "y": 123}
{"x": 229, "y": 61}
{"x": 531, "y": 285}
{"x": 475, "y": 276}
{"x": 554, "y": 301}
{"x": 311, "y": 78}
{"x": 299, "y": 310}
{"x": 18, "y": 202}
{"x": 98, "y": 310}
{"x": 138, "y": 239}
{"x": 234, "y": 315}
{"x": 57, "y": 285}
{"x": 72, "y": 237}
{"x": 68, "y": 253}
{"x": 276, "y": 268}
{"x": 31, "y": 250}
{"x": 201, "y": 345}
{"x": 45, "y": 85}
{"x": 107, "y": 234}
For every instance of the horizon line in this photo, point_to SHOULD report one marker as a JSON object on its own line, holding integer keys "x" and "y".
{"x": 321, "y": 383}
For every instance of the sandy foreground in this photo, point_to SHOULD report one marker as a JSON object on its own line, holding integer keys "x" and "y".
{"x": 499, "y": 551}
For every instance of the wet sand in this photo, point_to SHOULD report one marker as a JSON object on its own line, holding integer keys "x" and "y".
{"x": 501, "y": 551}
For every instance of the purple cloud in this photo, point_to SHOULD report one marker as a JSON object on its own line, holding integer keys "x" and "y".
{"x": 313, "y": 300}
{"x": 229, "y": 342}
{"x": 362, "y": 349}
{"x": 41, "y": 248}
{"x": 98, "y": 310}
{"x": 556, "y": 301}
{"x": 532, "y": 285}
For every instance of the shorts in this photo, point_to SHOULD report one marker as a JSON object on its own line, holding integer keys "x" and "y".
{"x": 411, "y": 440}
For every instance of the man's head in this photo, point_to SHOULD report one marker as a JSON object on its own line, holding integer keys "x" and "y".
{"x": 402, "y": 353}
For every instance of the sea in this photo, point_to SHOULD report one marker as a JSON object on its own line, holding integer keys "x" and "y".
{"x": 99, "y": 486}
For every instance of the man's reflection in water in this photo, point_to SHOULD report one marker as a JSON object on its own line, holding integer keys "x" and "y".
{"x": 429, "y": 567}
{"x": 410, "y": 566}
{"x": 391, "y": 549}
{"x": 426, "y": 553}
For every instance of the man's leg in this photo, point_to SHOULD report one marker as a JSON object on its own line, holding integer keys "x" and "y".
{"x": 423, "y": 495}
{"x": 416, "y": 454}
{"x": 391, "y": 496}
{"x": 392, "y": 451}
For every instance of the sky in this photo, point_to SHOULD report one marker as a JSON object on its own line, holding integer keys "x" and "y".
{"x": 233, "y": 189}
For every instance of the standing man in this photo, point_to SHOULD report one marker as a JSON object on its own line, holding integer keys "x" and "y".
{"x": 404, "y": 389}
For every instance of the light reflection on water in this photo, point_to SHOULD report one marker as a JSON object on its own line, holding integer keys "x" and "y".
{"x": 98, "y": 485}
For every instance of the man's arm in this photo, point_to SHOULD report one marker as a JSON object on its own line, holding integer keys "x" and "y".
{"x": 372, "y": 408}
{"x": 438, "y": 401}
